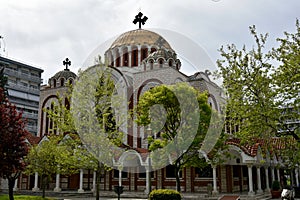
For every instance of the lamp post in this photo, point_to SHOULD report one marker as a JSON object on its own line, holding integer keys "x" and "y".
{"x": 149, "y": 132}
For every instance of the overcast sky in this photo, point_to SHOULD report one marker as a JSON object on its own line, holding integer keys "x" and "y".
{"x": 44, "y": 32}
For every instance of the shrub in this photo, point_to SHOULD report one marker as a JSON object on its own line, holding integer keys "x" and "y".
{"x": 164, "y": 194}
{"x": 275, "y": 185}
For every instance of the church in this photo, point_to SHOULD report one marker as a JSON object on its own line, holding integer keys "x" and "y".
{"x": 142, "y": 59}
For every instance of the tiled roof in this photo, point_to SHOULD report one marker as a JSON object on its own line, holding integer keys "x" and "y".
{"x": 251, "y": 149}
{"x": 33, "y": 139}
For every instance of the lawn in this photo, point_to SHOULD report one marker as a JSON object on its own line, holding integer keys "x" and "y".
{"x": 24, "y": 197}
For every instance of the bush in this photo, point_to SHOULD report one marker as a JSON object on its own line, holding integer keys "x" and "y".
{"x": 275, "y": 185}
{"x": 164, "y": 194}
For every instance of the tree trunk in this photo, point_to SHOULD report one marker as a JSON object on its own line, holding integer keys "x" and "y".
{"x": 11, "y": 184}
{"x": 177, "y": 175}
{"x": 98, "y": 178}
{"x": 44, "y": 181}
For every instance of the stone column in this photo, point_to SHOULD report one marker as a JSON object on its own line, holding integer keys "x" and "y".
{"x": 121, "y": 53}
{"x": 120, "y": 177}
{"x": 251, "y": 192}
{"x": 129, "y": 56}
{"x": 139, "y": 55}
{"x": 16, "y": 185}
{"x": 273, "y": 174}
{"x": 278, "y": 174}
{"x": 114, "y": 55}
{"x": 36, "y": 181}
{"x": 297, "y": 177}
{"x": 94, "y": 181}
{"x": 80, "y": 190}
{"x": 259, "y": 190}
{"x": 267, "y": 179}
{"x": 215, "y": 187}
{"x": 57, "y": 183}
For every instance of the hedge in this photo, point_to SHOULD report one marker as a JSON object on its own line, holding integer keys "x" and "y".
{"x": 164, "y": 194}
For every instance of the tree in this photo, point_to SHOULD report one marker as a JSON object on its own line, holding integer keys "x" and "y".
{"x": 287, "y": 80}
{"x": 247, "y": 79}
{"x": 172, "y": 112}
{"x": 93, "y": 108}
{"x": 53, "y": 155}
{"x": 103, "y": 126}
{"x": 263, "y": 98}
{"x": 13, "y": 147}
{"x": 3, "y": 80}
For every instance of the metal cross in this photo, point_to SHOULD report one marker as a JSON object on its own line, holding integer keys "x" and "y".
{"x": 140, "y": 20}
{"x": 67, "y": 63}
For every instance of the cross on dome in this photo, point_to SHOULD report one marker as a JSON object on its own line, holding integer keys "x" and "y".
{"x": 67, "y": 63}
{"x": 140, "y": 20}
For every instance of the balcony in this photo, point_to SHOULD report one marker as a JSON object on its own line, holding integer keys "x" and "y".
{"x": 30, "y": 115}
{"x": 21, "y": 75}
{"x": 23, "y": 88}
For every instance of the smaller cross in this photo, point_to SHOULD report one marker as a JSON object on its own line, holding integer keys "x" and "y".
{"x": 67, "y": 63}
{"x": 138, "y": 19}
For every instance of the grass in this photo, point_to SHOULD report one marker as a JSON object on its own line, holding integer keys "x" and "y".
{"x": 24, "y": 197}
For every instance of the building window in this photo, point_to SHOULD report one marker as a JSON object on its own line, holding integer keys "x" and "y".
{"x": 54, "y": 82}
{"x": 116, "y": 174}
{"x": 135, "y": 58}
{"x": 144, "y": 54}
{"x": 151, "y": 64}
{"x": 153, "y": 50}
{"x": 170, "y": 63}
{"x": 160, "y": 62}
{"x": 125, "y": 59}
{"x": 204, "y": 172}
{"x": 170, "y": 172}
{"x": 62, "y": 82}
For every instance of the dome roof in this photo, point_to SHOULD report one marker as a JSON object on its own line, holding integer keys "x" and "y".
{"x": 162, "y": 53}
{"x": 140, "y": 37}
{"x": 66, "y": 73}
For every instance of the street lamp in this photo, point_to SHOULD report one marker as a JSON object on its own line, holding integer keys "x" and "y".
{"x": 149, "y": 132}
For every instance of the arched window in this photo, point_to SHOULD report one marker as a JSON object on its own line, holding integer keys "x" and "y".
{"x": 62, "y": 82}
{"x": 125, "y": 59}
{"x": 144, "y": 53}
{"x": 151, "y": 64}
{"x": 134, "y": 58}
{"x": 70, "y": 81}
{"x": 170, "y": 63}
{"x": 160, "y": 62}
{"x": 153, "y": 50}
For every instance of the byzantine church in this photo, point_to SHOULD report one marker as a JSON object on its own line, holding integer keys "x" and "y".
{"x": 142, "y": 59}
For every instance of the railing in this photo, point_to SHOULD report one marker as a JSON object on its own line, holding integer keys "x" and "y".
{"x": 30, "y": 115}
{"x": 22, "y": 75}
{"x": 24, "y": 88}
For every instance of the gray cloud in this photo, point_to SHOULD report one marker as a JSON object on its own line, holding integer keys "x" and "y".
{"x": 43, "y": 33}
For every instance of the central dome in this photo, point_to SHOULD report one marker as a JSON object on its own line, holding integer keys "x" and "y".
{"x": 140, "y": 37}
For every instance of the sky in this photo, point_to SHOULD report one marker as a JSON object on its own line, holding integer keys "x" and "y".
{"x": 42, "y": 33}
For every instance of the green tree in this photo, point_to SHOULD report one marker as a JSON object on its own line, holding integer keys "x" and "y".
{"x": 287, "y": 80}
{"x": 163, "y": 109}
{"x": 247, "y": 79}
{"x": 86, "y": 149}
{"x": 263, "y": 98}
{"x": 95, "y": 121}
{"x": 51, "y": 156}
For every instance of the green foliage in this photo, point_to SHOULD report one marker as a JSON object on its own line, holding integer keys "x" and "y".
{"x": 24, "y": 197}
{"x": 287, "y": 79}
{"x": 161, "y": 107}
{"x": 164, "y": 194}
{"x": 275, "y": 185}
{"x": 247, "y": 78}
